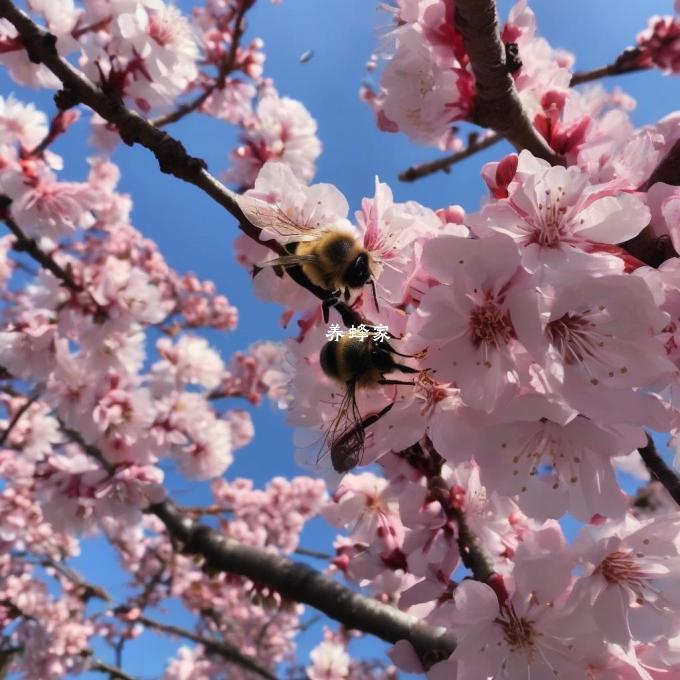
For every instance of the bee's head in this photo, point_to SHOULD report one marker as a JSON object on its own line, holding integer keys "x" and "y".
{"x": 358, "y": 274}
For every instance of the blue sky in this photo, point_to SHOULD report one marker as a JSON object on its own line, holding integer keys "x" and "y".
{"x": 195, "y": 234}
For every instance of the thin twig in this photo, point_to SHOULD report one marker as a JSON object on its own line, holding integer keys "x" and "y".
{"x": 226, "y": 67}
{"x": 30, "y": 247}
{"x": 198, "y": 511}
{"x": 30, "y": 400}
{"x": 444, "y": 164}
{"x": 225, "y": 649}
{"x": 170, "y": 153}
{"x": 497, "y": 105}
{"x": 659, "y": 470}
{"x": 627, "y": 62}
{"x": 300, "y": 583}
{"x": 113, "y": 671}
{"x": 313, "y": 553}
{"x": 90, "y": 449}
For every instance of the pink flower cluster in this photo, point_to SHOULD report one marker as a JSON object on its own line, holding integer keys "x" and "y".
{"x": 539, "y": 350}
{"x": 659, "y": 44}
{"x": 543, "y": 350}
{"x": 159, "y": 62}
{"x": 427, "y": 83}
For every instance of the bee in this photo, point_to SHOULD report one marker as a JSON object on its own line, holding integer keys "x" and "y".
{"x": 331, "y": 258}
{"x": 356, "y": 364}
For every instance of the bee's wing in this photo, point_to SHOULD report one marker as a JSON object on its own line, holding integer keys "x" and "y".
{"x": 348, "y": 449}
{"x": 273, "y": 219}
{"x": 345, "y": 436}
{"x": 288, "y": 261}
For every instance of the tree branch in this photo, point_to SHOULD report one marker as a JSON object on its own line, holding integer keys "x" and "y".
{"x": 626, "y": 62}
{"x": 647, "y": 247}
{"x": 444, "y": 164}
{"x": 497, "y": 105}
{"x": 17, "y": 416}
{"x": 225, "y": 649}
{"x": 659, "y": 470}
{"x": 668, "y": 170}
{"x": 472, "y": 553}
{"x": 113, "y": 671}
{"x": 170, "y": 153}
{"x": 301, "y": 583}
{"x": 30, "y": 247}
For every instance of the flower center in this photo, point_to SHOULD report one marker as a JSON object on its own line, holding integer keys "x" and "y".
{"x": 429, "y": 392}
{"x": 490, "y": 325}
{"x": 161, "y": 30}
{"x": 549, "y": 230}
{"x": 578, "y": 339}
{"x": 518, "y": 632}
{"x": 620, "y": 567}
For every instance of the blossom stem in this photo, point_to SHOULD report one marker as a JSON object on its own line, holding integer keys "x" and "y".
{"x": 301, "y": 583}
{"x": 659, "y": 470}
{"x": 444, "y": 164}
{"x": 497, "y": 105}
{"x": 172, "y": 157}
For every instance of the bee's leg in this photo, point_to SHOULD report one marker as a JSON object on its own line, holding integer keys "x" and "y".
{"x": 369, "y": 420}
{"x": 394, "y": 351}
{"x": 329, "y": 302}
{"x": 396, "y": 382}
{"x": 347, "y": 294}
{"x": 375, "y": 295}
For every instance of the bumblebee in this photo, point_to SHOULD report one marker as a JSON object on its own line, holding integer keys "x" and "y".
{"x": 356, "y": 364}
{"x": 331, "y": 258}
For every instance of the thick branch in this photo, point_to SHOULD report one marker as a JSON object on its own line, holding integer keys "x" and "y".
{"x": 659, "y": 470}
{"x": 301, "y": 583}
{"x": 444, "y": 164}
{"x": 497, "y": 105}
{"x": 224, "y": 649}
{"x": 172, "y": 157}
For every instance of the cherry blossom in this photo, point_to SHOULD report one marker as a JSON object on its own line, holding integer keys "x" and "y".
{"x": 280, "y": 130}
{"x": 632, "y": 562}
{"x": 533, "y": 360}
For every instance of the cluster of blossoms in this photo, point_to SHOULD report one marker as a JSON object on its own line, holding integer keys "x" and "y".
{"x": 427, "y": 84}
{"x": 536, "y": 350}
{"x": 542, "y": 351}
{"x": 154, "y": 58}
{"x": 109, "y": 338}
